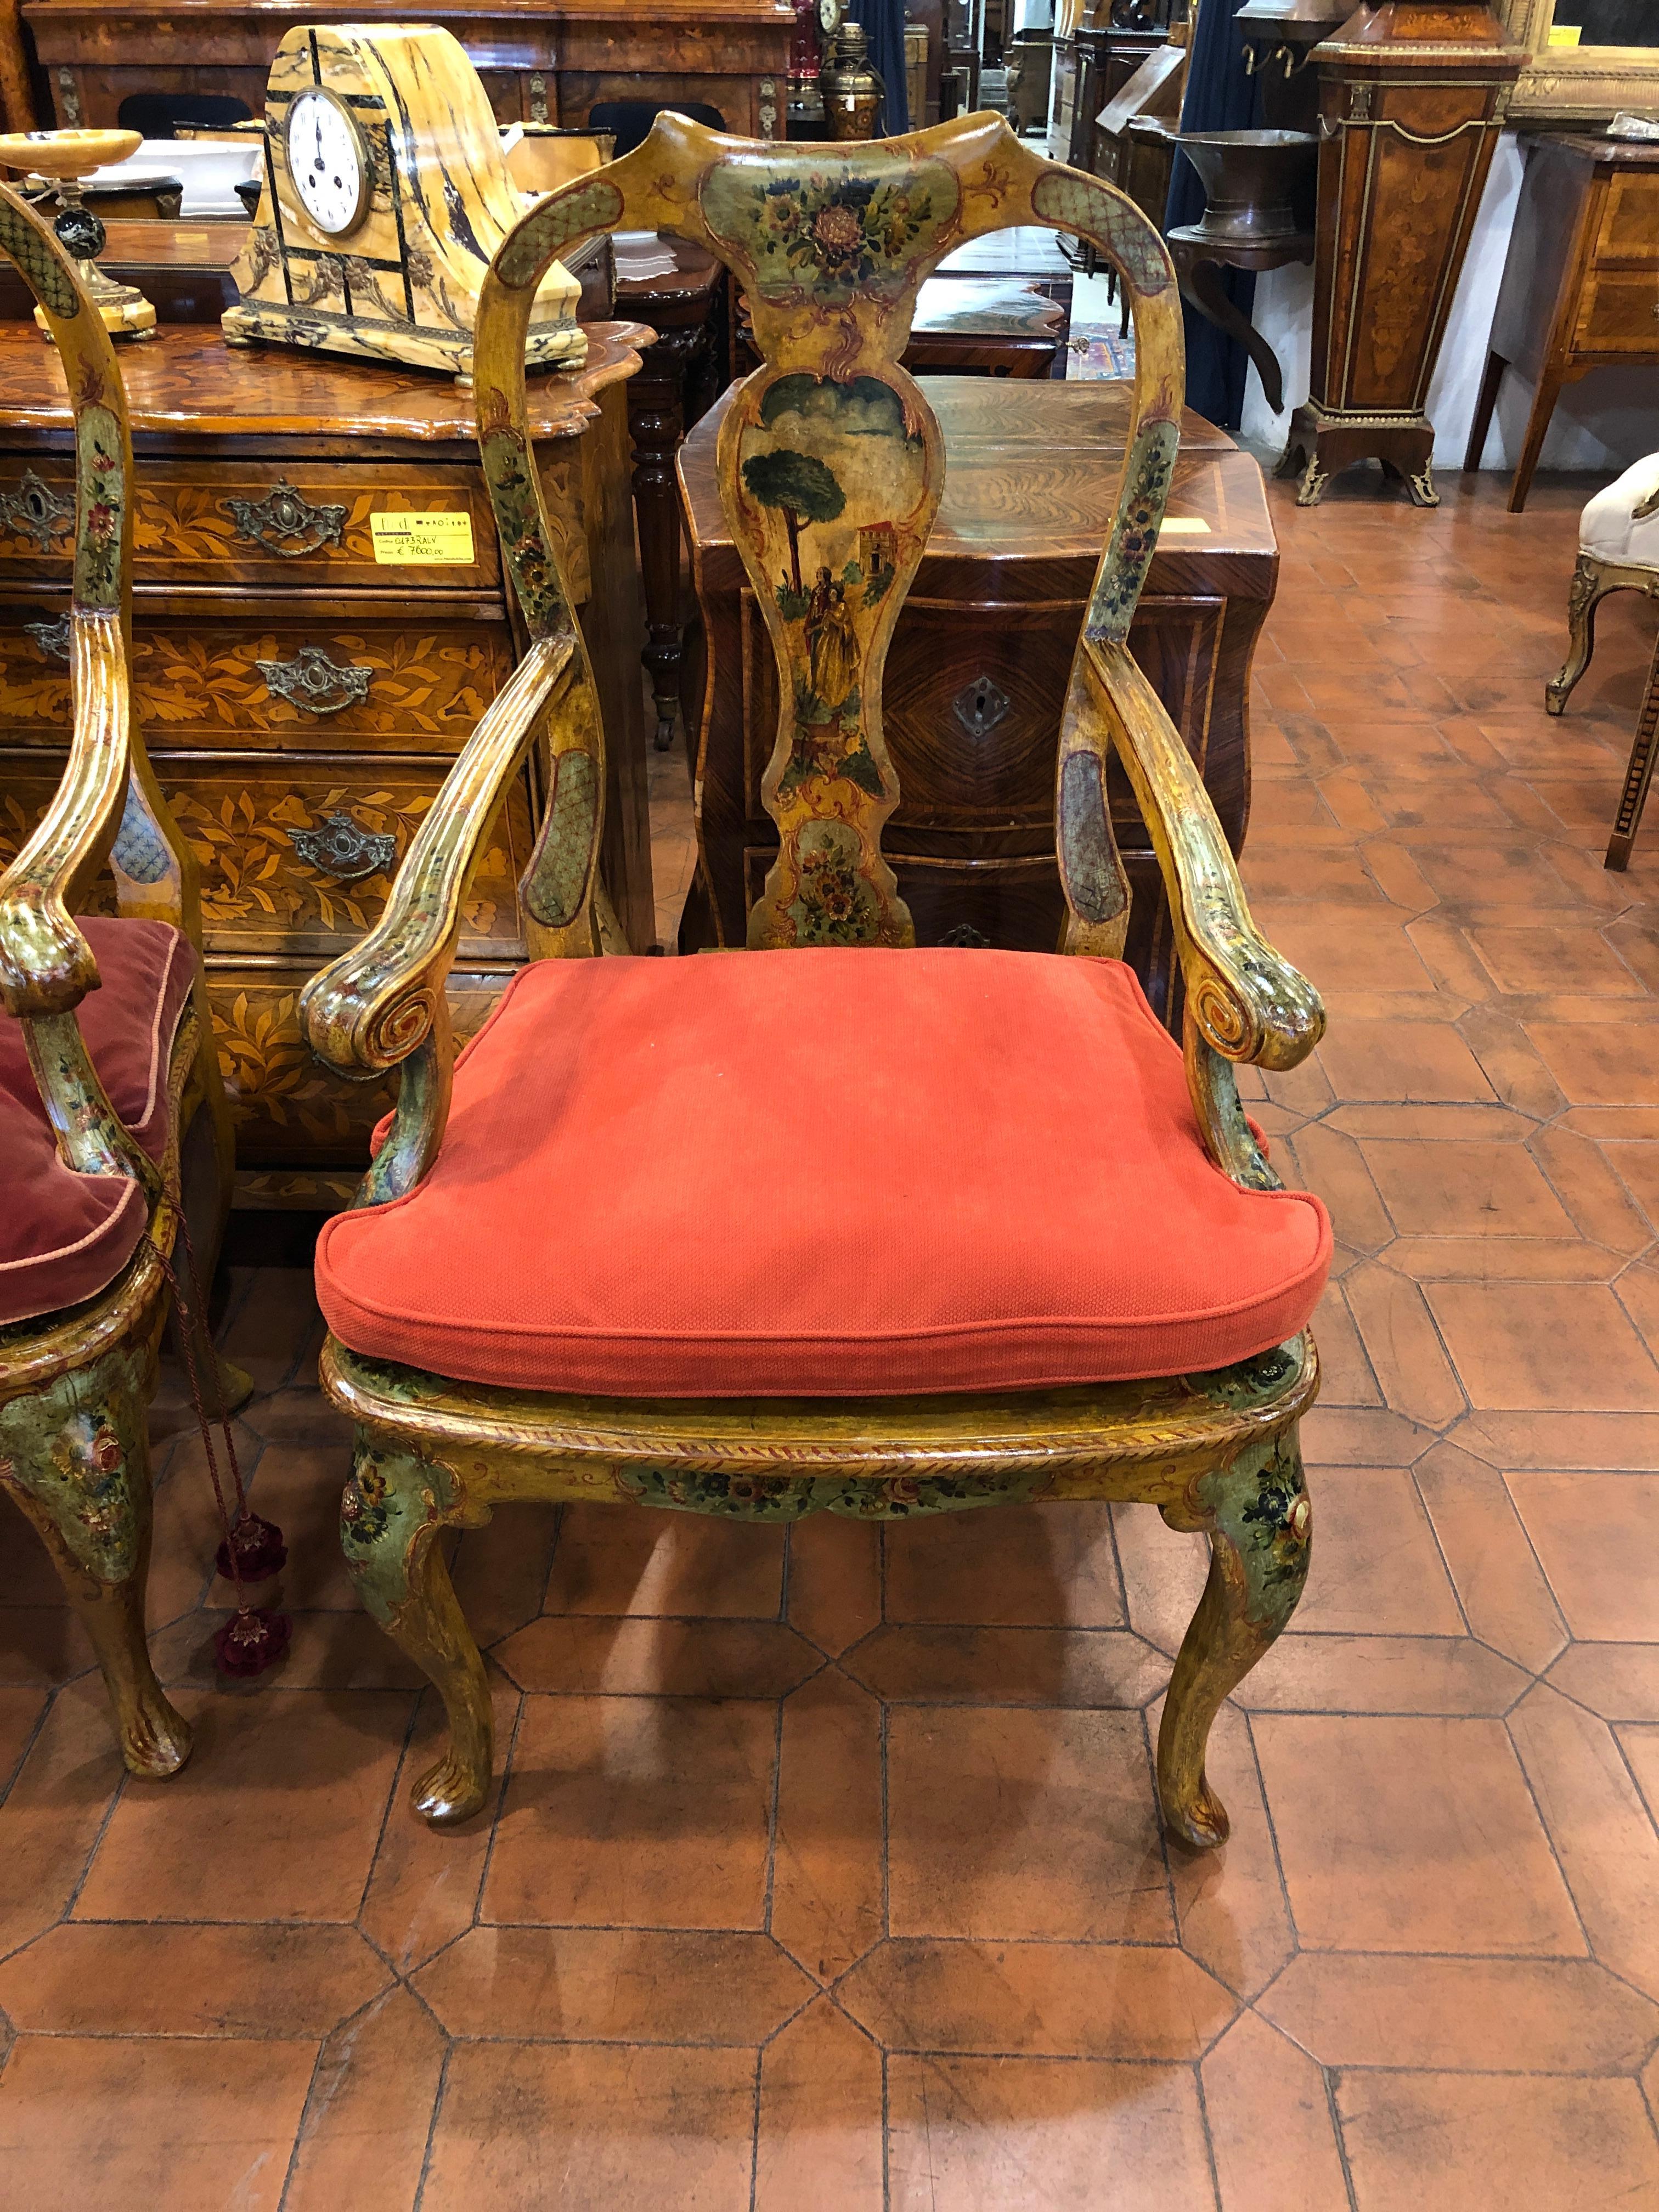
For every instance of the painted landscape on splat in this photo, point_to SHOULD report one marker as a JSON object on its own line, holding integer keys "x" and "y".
{"x": 826, "y": 470}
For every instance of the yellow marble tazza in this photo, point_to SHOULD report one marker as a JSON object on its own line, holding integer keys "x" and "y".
{"x": 401, "y": 281}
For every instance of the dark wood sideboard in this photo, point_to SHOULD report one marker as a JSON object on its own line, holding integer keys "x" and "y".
{"x": 977, "y": 669}
{"x": 542, "y": 61}
{"x": 303, "y": 699}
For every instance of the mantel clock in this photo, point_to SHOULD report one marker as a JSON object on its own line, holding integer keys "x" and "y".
{"x": 386, "y": 194}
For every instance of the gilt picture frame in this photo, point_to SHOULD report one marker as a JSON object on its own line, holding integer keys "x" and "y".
{"x": 1575, "y": 85}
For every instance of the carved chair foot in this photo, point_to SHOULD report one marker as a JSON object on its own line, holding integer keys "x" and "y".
{"x": 394, "y": 1510}
{"x": 155, "y": 1740}
{"x": 1585, "y": 594}
{"x": 1258, "y": 1520}
{"x": 450, "y": 1791}
{"x": 235, "y": 1383}
{"x": 75, "y": 1456}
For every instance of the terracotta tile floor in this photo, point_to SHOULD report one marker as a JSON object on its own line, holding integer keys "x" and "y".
{"x": 824, "y": 1872}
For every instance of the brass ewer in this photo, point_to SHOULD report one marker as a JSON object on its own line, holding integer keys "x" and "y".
{"x": 66, "y": 157}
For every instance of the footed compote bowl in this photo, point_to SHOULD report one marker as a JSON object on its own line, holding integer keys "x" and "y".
{"x": 66, "y": 157}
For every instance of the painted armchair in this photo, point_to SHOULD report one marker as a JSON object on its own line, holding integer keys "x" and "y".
{"x": 854, "y": 1227}
{"x": 111, "y": 1102}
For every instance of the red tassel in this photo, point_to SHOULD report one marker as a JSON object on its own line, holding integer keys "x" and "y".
{"x": 260, "y": 1551}
{"x": 250, "y": 1642}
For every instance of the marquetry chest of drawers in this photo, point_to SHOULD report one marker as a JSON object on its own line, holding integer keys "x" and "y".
{"x": 303, "y": 685}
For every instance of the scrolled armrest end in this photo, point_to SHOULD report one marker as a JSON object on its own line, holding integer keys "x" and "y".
{"x": 362, "y": 1025}
{"x": 1253, "y": 1005}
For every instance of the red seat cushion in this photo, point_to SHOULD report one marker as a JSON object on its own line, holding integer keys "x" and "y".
{"x": 821, "y": 1173}
{"x": 63, "y": 1236}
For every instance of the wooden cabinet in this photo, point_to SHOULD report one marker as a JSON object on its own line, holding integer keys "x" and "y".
{"x": 1412, "y": 99}
{"x": 301, "y": 696}
{"x": 978, "y": 667}
{"x": 1581, "y": 285}
{"x": 542, "y": 61}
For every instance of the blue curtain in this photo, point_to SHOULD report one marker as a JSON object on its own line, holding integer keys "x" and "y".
{"x": 1219, "y": 96}
{"x": 884, "y": 26}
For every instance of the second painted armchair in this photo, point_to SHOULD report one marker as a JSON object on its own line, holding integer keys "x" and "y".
{"x": 837, "y": 1223}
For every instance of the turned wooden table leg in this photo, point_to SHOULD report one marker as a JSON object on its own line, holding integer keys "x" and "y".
{"x": 656, "y": 419}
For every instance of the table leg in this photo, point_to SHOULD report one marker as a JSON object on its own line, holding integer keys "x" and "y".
{"x": 656, "y": 421}
{"x": 1481, "y": 422}
{"x": 1549, "y": 387}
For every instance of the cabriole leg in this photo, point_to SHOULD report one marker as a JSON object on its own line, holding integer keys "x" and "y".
{"x": 394, "y": 1508}
{"x": 1585, "y": 594}
{"x": 76, "y": 1457}
{"x": 1259, "y": 1521}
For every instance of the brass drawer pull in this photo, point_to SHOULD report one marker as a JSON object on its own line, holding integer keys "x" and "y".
{"x": 53, "y": 637}
{"x": 314, "y": 682}
{"x": 35, "y": 510}
{"x": 285, "y": 522}
{"x": 338, "y": 846}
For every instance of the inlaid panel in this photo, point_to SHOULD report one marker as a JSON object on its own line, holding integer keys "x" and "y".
{"x": 313, "y": 682}
{"x": 1620, "y": 312}
{"x": 298, "y": 862}
{"x": 282, "y": 522}
{"x": 287, "y": 1109}
{"x": 1629, "y": 231}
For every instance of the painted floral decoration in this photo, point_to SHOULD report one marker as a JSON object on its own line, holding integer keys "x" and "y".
{"x": 848, "y": 228}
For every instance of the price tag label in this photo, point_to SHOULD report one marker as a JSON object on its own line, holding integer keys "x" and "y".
{"x": 1184, "y": 526}
{"x": 401, "y": 540}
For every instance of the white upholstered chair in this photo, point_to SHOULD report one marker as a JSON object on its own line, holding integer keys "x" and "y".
{"x": 1618, "y": 551}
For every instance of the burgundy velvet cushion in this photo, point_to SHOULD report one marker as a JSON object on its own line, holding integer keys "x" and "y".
{"x": 839, "y": 1173}
{"x": 63, "y": 1236}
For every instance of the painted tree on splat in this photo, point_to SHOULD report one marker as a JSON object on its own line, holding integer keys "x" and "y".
{"x": 800, "y": 487}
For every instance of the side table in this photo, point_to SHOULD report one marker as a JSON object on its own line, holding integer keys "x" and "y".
{"x": 1581, "y": 285}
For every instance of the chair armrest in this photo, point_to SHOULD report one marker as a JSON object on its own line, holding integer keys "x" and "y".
{"x": 1248, "y": 1001}
{"x": 367, "y": 1011}
{"x": 46, "y": 965}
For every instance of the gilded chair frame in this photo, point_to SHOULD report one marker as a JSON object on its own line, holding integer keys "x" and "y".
{"x": 831, "y": 246}
{"x": 75, "y": 1385}
{"x": 1593, "y": 580}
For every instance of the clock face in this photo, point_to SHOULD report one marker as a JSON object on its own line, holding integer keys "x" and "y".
{"x": 830, "y": 15}
{"x": 328, "y": 162}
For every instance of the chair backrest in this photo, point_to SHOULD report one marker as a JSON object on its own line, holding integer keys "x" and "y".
{"x": 157, "y": 114}
{"x": 108, "y": 807}
{"x": 629, "y": 121}
{"x": 832, "y": 462}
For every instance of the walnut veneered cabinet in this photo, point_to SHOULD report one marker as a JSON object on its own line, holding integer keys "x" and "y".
{"x": 542, "y": 61}
{"x": 303, "y": 684}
